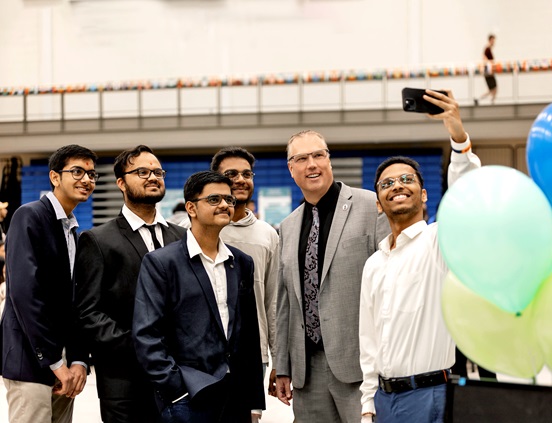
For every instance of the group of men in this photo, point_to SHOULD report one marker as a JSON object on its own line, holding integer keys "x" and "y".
{"x": 180, "y": 320}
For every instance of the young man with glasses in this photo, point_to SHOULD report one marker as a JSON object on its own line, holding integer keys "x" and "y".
{"x": 43, "y": 364}
{"x": 406, "y": 351}
{"x": 108, "y": 261}
{"x": 195, "y": 322}
{"x": 323, "y": 245}
{"x": 256, "y": 238}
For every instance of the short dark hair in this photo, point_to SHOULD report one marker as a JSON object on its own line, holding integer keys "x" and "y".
{"x": 195, "y": 183}
{"x": 398, "y": 159}
{"x": 124, "y": 159}
{"x": 179, "y": 207}
{"x": 226, "y": 152}
{"x": 58, "y": 160}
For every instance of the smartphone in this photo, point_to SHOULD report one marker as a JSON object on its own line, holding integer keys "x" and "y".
{"x": 413, "y": 101}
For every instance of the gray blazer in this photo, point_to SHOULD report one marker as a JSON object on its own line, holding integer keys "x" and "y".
{"x": 356, "y": 231}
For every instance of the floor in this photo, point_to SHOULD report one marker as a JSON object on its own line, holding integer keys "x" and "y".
{"x": 87, "y": 408}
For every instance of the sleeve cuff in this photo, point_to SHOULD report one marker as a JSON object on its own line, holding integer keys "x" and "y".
{"x": 56, "y": 366}
{"x": 461, "y": 147}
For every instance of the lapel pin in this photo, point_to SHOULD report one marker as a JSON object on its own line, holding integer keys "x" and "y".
{"x": 345, "y": 207}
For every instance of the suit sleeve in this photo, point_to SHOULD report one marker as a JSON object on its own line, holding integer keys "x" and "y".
{"x": 28, "y": 287}
{"x": 282, "y": 363}
{"x": 252, "y": 363}
{"x": 271, "y": 291}
{"x": 148, "y": 331}
{"x": 97, "y": 326}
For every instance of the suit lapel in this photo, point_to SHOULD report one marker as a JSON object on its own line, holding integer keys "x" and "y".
{"x": 232, "y": 288}
{"x": 293, "y": 255}
{"x": 342, "y": 210}
{"x": 133, "y": 237}
{"x": 205, "y": 284}
{"x": 169, "y": 235}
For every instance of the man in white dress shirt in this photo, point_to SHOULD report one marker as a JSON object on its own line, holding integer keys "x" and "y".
{"x": 405, "y": 349}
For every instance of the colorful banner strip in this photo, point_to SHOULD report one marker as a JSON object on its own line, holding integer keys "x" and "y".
{"x": 286, "y": 78}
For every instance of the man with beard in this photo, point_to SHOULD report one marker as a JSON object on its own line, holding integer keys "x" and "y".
{"x": 256, "y": 238}
{"x": 106, "y": 270}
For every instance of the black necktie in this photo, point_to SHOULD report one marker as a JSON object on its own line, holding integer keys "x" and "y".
{"x": 312, "y": 318}
{"x": 156, "y": 243}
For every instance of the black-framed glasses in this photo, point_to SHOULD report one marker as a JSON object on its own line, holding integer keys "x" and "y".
{"x": 316, "y": 155}
{"x": 233, "y": 174}
{"x": 78, "y": 173}
{"x": 216, "y": 199}
{"x": 406, "y": 179}
{"x": 145, "y": 173}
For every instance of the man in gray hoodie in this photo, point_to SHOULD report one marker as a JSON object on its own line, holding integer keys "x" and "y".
{"x": 256, "y": 238}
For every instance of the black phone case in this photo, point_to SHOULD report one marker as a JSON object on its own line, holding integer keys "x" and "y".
{"x": 413, "y": 101}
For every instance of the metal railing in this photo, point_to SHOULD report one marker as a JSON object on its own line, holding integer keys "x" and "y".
{"x": 251, "y": 94}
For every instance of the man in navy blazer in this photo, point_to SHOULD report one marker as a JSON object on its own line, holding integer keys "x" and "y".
{"x": 195, "y": 321}
{"x": 43, "y": 365}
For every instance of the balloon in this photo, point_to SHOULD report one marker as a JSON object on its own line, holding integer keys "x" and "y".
{"x": 487, "y": 335}
{"x": 543, "y": 319}
{"x": 539, "y": 151}
{"x": 495, "y": 233}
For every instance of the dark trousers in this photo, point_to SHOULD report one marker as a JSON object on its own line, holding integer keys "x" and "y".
{"x": 221, "y": 403}
{"x": 123, "y": 410}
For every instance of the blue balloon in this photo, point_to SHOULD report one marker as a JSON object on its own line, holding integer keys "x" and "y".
{"x": 539, "y": 151}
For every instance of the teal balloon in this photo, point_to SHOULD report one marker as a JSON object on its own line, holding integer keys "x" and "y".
{"x": 495, "y": 233}
{"x": 539, "y": 151}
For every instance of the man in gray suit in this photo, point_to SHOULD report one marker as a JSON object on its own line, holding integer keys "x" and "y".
{"x": 324, "y": 244}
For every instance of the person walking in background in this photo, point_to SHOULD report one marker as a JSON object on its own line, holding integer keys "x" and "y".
{"x": 488, "y": 62}
{"x": 256, "y": 238}
{"x": 405, "y": 348}
{"x": 324, "y": 244}
{"x": 108, "y": 261}
{"x": 195, "y": 322}
{"x": 43, "y": 364}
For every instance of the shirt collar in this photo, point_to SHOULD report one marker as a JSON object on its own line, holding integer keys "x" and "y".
{"x": 406, "y": 235}
{"x": 194, "y": 249}
{"x": 69, "y": 222}
{"x": 328, "y": 200}
{"x": 137, "y": 222}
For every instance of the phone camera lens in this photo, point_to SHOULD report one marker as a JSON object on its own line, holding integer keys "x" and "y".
{"x": 410, "y": 104}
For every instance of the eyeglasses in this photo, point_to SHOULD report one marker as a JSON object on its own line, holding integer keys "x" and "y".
{"x": 233, "y": 174}
{"x": 216, "y": 199}
{"x": 406, "y": 179}
{"x": 145, "y": 173}
{"x": 316, "y": 155}
{"x": 78, "y": 173}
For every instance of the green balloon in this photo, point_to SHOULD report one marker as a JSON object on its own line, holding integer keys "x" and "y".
{"x": 495, "y": 233}
{"x": 543, "y": 319}
{"x": 489, "y": 336}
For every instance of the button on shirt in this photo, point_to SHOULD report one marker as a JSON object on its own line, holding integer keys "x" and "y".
{"x": 69, "y": 224}
{"x": 217, "y": 274}
{"x": 402, "y": 331}
{"x": 137, "y": 224}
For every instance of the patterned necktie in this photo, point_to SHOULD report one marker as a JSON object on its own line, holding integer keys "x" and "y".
{"x": 312, "y": 319}
{"x": 156, "y": 243}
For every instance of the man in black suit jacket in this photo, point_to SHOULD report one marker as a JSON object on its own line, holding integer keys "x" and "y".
{"x": 195, "y": 321}
{"x": 36, "y": 325}
{"x": 108, "y": 262}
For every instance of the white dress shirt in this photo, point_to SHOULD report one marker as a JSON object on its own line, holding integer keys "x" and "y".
{"x": 137, "y": 224}
{"x": 402, "y": 331}
{"x": 217, "y": 274}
